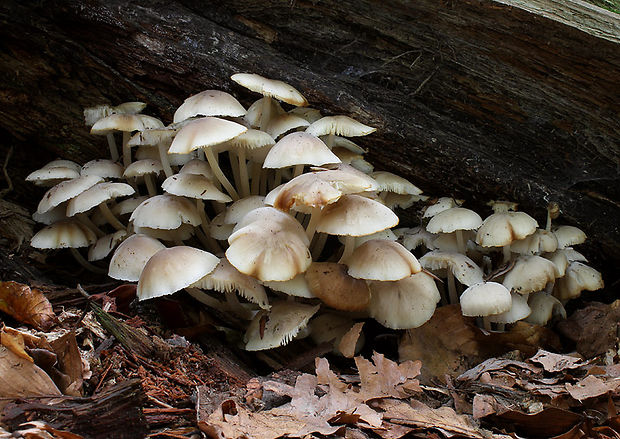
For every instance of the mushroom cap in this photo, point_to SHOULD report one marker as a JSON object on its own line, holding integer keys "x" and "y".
{"x": 66, "y": 190}
{"x": 440, "y": 205}
{"x": 131, "y": 256}
{"x": 395, "y": 183}
{"x": 544, "y": 306}
{"x": 578, "y": 277}
{"x": 353, "y": 159}
{"x": 218, "y": 229}
{"x": 500, "y": 229}
{"x": 52, "y": 176}
{"x": 318, "y": 189}
{"x": 126, "y": 123}
{"x": 541, "y": 241}
{"x": 165, "y": 212}
{"x": 203, "y": 133}
{"x": 153, "y": 137}
{"x": 339, "y": 125}
{"x": 172, "y": 269}
{"x": 310, "y": 114}
{"x": 194, "y": 186}
{"x": 255, "y": 112}
{"x": 355, "y": 215}
{"x": 60, "y": 163}
{"x": 529, "y": 274}
{"x": 199, "y": 167}
{"x": 462, "y": 267}
{"x": 485, "y": 299}
{"x": 561, "y": 258}
{"x": 519, "y": 310}
{"x": 226, "y": 278}
{"x": 453, "y": 219}
{"x": 568, "y": 236}
{"x": 330, "y": 282}
{"x": 103, "y": 168}
{"x": 240, "y": 208}
{"x": 142, "y": 167}
{"x": 209, "y": 103}
{"x": 412, "y": 238}
{"x": 278, "y": 326}
{"x": 299, "y": 149}
{"x": 404, "y": 304}
{"x": 283, "y": 123}
{"x": 181, "y": 233}
{"x": 104, "y": 245}
{"x": 97, "y": 194}
{"x": 269, "y": 250}
{"x": 297, "y": 287}
{"x": 63, "y": 234}
{"x": 270, "y": 87}
{"x": 252, "y": 140}
{"x": 53, "y": 215}
{"x": 343, "y": 142}
{"x": 383, "y": 260}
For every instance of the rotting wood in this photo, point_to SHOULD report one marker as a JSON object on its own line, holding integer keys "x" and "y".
{"x": 477, "y": 99}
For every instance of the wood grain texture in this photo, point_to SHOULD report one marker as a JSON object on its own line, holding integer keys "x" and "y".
{"x": 476, "y": 99}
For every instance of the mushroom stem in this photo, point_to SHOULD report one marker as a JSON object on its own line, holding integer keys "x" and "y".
{"x": 452, "y": 289}
{"x": 507, "y": 254}
{"x": 84, "y": 219}
{"x": 150, "y": 185}
{"x": 210, "y": 243}
{"x": 163, "y": 158}
{"x": 109, "y": 216}
{"x": 126, "y": 149}
{"x": 298, "y": 170}
{"x": 460, "y": 242}
{"x": 265, "y": 114}
{"x": 264, "y": 176}
{"x": 319, "y": 243}
{"x": 486, "y": 324}
{"x": 314, "y": 220}
{"x": 234, "y": 166}
{"x": 256, "y": 176}
{"x": 204, "y": 298}
{"x": 84, "y": 263}
{"x": 330, "y": 140}
{"x": 243, "y": 173}
{"x": 277, "y": 178}
{"x": 235, "y": 306}
{"x": 112, "y": 146}
{"x": 349, "y": 246}
{"x": 215, "y": 167}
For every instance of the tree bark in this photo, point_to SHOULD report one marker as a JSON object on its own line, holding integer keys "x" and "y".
{"x": 481, "y": 100}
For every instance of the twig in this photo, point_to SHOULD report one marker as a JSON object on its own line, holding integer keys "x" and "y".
{"x": 105, "y": 373}
{"x": 9, "y": 182}
{"x": 423, "y": 83}
{"x": 158, "y": 402}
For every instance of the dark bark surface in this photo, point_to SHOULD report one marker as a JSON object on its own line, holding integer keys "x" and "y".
{"x": 476, "y": 99}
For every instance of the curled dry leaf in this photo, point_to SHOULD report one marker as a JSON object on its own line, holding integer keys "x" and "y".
{"x": 348, "y": 341}
{"x": 592, "y": 386}
{"x": 26, "y": 305}
{"x": 556, "y": 362}
{"x": 15, "y": 343}
{"x": 386, "y": 378}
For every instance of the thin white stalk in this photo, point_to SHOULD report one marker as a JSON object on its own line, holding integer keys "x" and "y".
{"x": 243, "y": 173}
{"x": 126, "y": 149}
{"x": 109, "y": 216}
{"x": 163, "y": 158}
{"x": 215, "y": 167}
{"x": 349, "y": 246}
{"x": 84, "y": 263}
{"x": 150, "y": 185}
{"x": 84, "y": 219}
{"x": 112, "y": 146}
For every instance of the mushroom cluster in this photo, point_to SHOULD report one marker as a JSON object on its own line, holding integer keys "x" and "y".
{"x": 273, "y": 214}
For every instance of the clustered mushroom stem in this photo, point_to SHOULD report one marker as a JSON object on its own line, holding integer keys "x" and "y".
{"x": 163, "y": 158}
{"x": 298, "y": 170}
{"x": 314, "y": 220}
{"x": 126, "y": 149}
{"x": 150, "y": 185}
{"x": 204, "y": 298}
{"x": 84, "y": 219}
{"x": 330, "y": 140}
{"x": 506, "y": 251}
{"x": 112, "y": 145}
{"x": 205, "y": 240}
{"x": 243, "y": 173}
{"x": 319, "y": 243}
{"x": 84, "y": 263}
{"x": 265, "y": 114}
{"x": 215, "y": 167}
{"x": 256, "y": 175}
{"x": 264, "y": 176}
{"x": 234, "y": 166}
{"x": 452, "y": 294}
{"x": 235, "y": 306}
{"x": 486, "y": 324}
{"x": 460, "y": 242}
{"x": 210, "y": 243}
{"x": 277, "y": 179}
{"x": 349, "y": 246}
{"x": 109, "y": 216}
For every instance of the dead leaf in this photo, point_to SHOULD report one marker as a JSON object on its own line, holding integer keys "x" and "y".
{"x": 420, "y": 415}
{"x": 593, "y": 328}
{"x": 20, "y": 378}
{"x": 39, "y": 427}
{"x": 69, "y": 363}
{"x": 495, "y": 364}
{"x": 15, "y": 343}
{"x": 592, "y": 386}
{"x": 386, "y": 378}
{"x": 484, "y": 405}
{"x": 556, "y": 362}
{"x": 26, "y": 305}
{"x": 549, "y": 422}
{"x": 349, "y": 340}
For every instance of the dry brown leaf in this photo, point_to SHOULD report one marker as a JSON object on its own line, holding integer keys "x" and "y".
{"x": 544, "y": 424}
{"x": 556, "y": 362}
{"x": 591, "y": 387}
{"x": 495, "y": 364}
{"x": 389, "y": 430}
{"x": 484, "y": 405}
{"x": 14, "y": 342}
{"x": 26, "y": 305}
{"x": 349, "y": 340}
{"x": 39, "y": 427}
{"x": 419, "y": 415}
{"x": 69, "y": 363}
{"x": 593, "y": 328}
{"x": 20, "y": 378}
{"x": 386, "y": 378}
